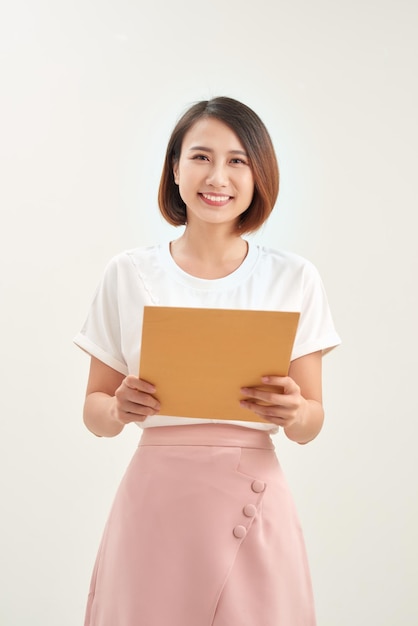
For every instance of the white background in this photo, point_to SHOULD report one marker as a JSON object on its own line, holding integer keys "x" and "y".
{"x": 89, "y": 92}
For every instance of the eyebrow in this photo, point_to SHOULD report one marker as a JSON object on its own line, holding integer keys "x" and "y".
{"x": 205, "y": 149}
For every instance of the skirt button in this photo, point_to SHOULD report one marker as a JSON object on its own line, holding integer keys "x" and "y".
{"x": 250, "y": 510}
{"x": 239, "y": 532}
{"x": 258, "y": 486}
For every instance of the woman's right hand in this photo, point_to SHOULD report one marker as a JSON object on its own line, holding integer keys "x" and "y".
{"x": 134, "y": 400}
{"x": 113, "y": 400}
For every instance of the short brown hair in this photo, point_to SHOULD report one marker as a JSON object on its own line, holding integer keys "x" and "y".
{"x": 256, "y": 140}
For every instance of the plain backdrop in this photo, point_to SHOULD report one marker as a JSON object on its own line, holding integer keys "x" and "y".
{"x": 89, "y": 92}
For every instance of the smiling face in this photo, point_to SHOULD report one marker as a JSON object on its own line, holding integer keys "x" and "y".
{"x": 213, "y": 173}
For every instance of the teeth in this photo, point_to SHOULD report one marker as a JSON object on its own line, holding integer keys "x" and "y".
{"x": 215, "y": 198}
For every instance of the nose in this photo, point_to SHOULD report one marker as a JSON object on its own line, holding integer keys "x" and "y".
{"x": 217, "y": 176}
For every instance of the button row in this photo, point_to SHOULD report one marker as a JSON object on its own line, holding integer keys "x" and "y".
{"x": 249, "y": 510}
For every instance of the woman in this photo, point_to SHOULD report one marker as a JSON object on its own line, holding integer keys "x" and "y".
{"x": 203, "y": 530}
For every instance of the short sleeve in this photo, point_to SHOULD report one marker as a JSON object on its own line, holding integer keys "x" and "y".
{"x": 316, "y": 329}
{"x": 100, "y": 335}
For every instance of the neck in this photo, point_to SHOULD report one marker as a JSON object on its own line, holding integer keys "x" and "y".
{"x": 208, "y": 256}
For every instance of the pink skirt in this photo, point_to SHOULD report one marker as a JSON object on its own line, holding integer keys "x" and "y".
{"x": 203, "y": 532}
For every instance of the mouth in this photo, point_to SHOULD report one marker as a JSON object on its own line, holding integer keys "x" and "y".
{"x": 215, "y": 199}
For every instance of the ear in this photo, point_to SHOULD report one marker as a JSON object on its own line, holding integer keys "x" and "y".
{"x": 176, "y": 172}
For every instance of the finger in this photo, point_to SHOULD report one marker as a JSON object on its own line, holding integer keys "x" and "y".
{"x": 131, "y": 408}
{"x": 285, "y": 383}
{"x": 267, "y": 411}
{"x": 133, "y": 382}
{"x": 137, "y": 401}
{"x": 133, "y": 412}
{"x": 275, "y": 380}
{"x": 270, "y": 396}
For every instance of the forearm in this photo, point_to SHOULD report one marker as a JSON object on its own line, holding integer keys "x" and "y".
{"x": 309, "y": 425}
{"x": 100, "y": 415}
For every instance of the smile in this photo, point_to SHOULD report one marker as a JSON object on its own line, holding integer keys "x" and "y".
{"x": 215, "y": 199}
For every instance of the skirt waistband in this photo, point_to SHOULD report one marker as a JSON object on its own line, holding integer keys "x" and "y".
{"x": 206, "y": 435}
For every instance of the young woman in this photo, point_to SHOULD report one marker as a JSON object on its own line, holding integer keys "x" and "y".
{"x": 203, "y": 530}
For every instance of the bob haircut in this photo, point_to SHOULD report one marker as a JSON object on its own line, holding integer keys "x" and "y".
{"x": 257, "y": 143}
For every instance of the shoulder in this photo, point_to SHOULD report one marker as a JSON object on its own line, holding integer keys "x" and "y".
{"x": 286, "y": 261}
{"x": 282, "y": 256}
{"x": 124, "y": 270}
{"x": 132, "y": 258}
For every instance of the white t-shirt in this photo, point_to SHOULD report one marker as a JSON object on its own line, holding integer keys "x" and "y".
{"x": 266, "y": 280}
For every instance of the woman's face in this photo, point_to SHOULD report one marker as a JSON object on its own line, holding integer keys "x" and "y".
{"x": 213, "y": 173}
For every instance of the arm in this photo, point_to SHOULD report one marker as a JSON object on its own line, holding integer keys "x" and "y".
{"x": 294, "y": 401}
{"x": 113, "y": 400}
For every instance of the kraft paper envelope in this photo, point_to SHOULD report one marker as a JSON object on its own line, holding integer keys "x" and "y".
{"x": 198, "y": 359}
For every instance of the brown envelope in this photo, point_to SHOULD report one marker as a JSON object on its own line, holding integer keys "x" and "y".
{"x": 198, "y": 359}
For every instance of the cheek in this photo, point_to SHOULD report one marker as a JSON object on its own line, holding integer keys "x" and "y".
{"x": 248, "y": 178}
{"x": 250, "y": 186}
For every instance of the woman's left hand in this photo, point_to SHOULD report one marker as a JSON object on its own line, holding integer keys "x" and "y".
{"x": 278, "y": 400}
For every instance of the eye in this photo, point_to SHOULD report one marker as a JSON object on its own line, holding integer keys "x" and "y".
{"x": 200, "y": 157}
{"x": 238, "y": 161}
